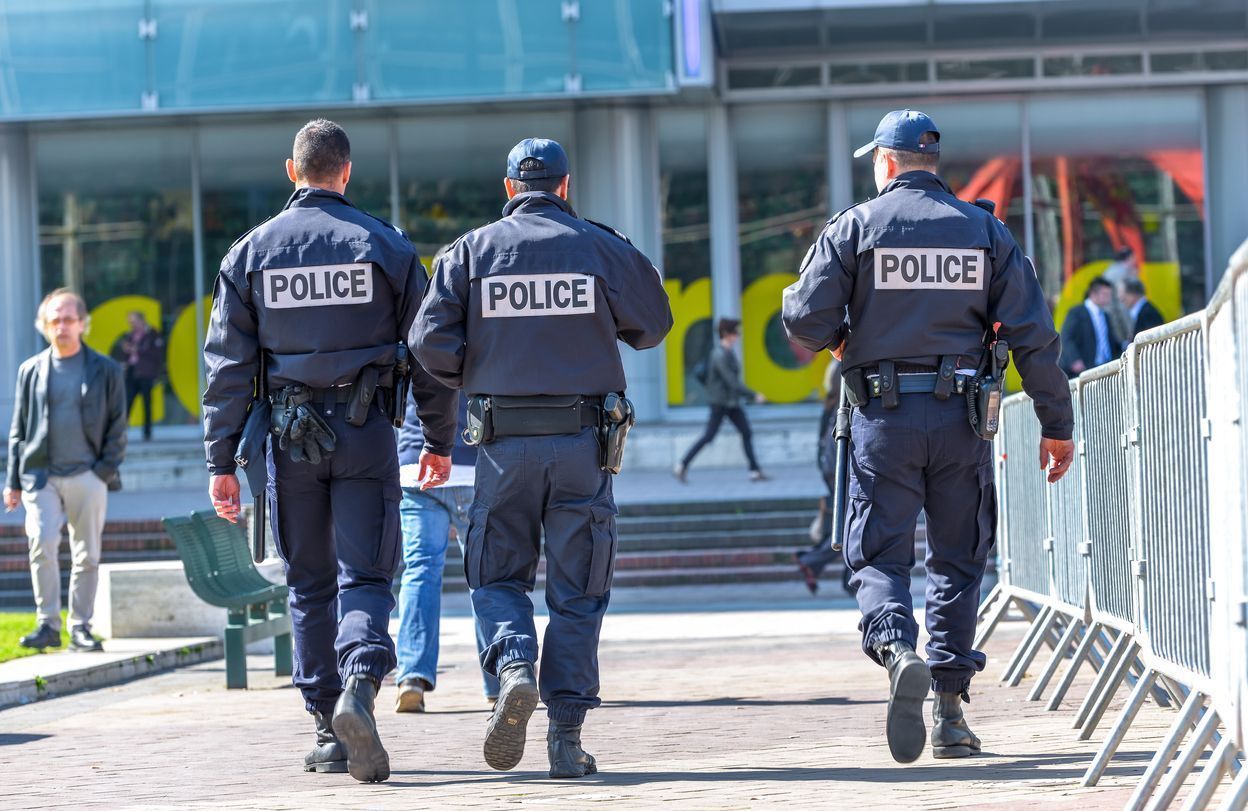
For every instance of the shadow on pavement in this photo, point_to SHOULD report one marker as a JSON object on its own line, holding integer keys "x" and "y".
{"x": 830, "y": 701}
{"x": 19, "y": 738}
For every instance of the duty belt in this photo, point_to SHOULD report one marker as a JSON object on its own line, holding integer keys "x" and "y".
{"x": 914, "y": 383}
{"x": 333, "y": 394}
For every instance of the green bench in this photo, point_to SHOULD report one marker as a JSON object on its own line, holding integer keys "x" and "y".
{"x": 219, "y": 569}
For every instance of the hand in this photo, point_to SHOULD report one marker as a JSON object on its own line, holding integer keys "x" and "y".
{"x": 1078, "y": 366}
{"x": 12, "y": 498}
{"x": 1061, "y": 452}
{"x": 760, "y": 399}
{"x": 839, "y": 352}
{"x": 225, "y": 496}
{"x": 434, "y": 470}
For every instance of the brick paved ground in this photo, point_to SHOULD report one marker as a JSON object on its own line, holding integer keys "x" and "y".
{"x": 714, "y": 709}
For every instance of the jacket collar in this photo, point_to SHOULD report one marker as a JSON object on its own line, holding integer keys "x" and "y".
{"x": 312, "y": 197}
{"x": 918, "y": 179}
{"x": 535, "y": 201}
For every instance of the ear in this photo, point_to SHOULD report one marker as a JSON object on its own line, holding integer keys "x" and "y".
{"x": 511, "y": 189}
{"x": 290, "y": 171}
{"x": 564, "y": 187}
{"x": 346, "y": 174}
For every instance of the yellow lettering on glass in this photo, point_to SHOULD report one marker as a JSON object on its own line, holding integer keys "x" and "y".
{"x": 109, "y": 322}
{"x": 760, "y": 303}
{"x": 184, "y": 345}
{"x": 690, "y": 304}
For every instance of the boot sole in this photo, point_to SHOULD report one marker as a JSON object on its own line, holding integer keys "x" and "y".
{"x": 907, "y": 733}
{"x": 950, "y": 752}
{"x": 367, "y": 759}
{"x": 504, "y": 738}
{"x": 591, "y": 769}
{"x": 332, "y": 767}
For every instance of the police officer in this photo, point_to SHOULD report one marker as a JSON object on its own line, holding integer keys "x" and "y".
{"x": 908, "y": 286}
{"x": 524, "y": 315}
{"x": 311, "y": 306}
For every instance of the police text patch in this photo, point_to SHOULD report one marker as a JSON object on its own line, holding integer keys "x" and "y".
{"x": 319, "y": 286}
{"x": 930, "y": 268}
{"x": 538, "y": 294}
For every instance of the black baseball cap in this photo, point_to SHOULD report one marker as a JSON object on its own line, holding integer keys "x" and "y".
{"x": 548, "y": 153}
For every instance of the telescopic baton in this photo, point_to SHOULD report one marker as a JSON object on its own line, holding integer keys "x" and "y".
{"x": 840, "y": 490}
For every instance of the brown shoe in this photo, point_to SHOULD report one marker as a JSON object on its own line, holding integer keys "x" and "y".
{"x": 411, "y": 696}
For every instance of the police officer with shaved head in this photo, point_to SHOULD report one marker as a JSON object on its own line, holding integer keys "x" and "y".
{"x": 524, "y": 315}
{"x": 310, "y": 313}
{"x": 921, "y": 295}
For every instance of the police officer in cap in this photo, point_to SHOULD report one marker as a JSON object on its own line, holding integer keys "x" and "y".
{"x": 311, "y": 308}
{"x": 524, "y": 315}
{"x": 906, "y": 288}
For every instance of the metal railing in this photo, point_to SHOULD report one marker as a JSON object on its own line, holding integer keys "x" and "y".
{"x": 1137, "y": 562}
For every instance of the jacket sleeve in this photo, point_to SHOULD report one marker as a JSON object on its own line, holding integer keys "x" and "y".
{"x": 17, "y": 431}
{"x": 232, "y": 360}
{"x": 813, "y": 310}
{"x": 643, "y": 314}
{"x": 1016, "y": 300}
{"x": 113, "y": 448}
{"x": 437, "y": 336}
{"x": 435, "y": 402}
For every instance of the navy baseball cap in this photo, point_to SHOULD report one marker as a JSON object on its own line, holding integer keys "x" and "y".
{"x": 901, "y": 129}
{"x": 548, "y": 153}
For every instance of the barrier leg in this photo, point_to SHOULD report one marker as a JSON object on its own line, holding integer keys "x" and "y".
{"x": 1187, "y": 760}
{"x": 1160, "y": 694}
{"x": 1063, "y": 647}
{"x": 1107, "y": 750}
{"x": 1237, "y": 798}
{"x": 1076, "y": 662}
{"x": 1020, "y": 669}
{"x": 1166, "y": 751}
{"x": 988, "y": 603}
{"x": 994, "y": 618}
{"x": 1210, "y": 776}
{"x": 1034, "y": 633}
{"x": 1102, "y": 680}
{"x": 1103, "y": 644}
{"x": 1107, "y": 695}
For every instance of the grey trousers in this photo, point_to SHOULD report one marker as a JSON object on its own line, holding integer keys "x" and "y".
{"x": 81, "y": 501}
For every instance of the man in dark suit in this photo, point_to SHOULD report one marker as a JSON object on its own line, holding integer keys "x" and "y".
{"x": 1143, "y": 314}
{"x": 1088, "y": 339}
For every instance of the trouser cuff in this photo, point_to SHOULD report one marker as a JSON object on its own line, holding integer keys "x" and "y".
{"x": 567, "y": 713}
{"x": 374, "y": 664}
{"x": 325, "y": 707}
{"x": 882, "y": 637}
{"x": 952, "y": 684}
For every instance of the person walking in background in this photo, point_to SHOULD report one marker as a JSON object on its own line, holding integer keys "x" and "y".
{"x": 65, "y": 447}
{"x": 1088, "y": 339}
{"x": 1143, "y": 314}
{"x": 811, "y": 562}
{"x": 430, "y": 518}
{"x": 141, "y": 353}
{"x": 724, "y": 391}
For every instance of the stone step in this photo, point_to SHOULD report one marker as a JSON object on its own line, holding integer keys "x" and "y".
{"x": 724, "y": 520}
{"x": 719, "y": 507}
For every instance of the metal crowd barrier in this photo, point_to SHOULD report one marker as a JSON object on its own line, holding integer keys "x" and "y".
{"x": 1137, "y": 562}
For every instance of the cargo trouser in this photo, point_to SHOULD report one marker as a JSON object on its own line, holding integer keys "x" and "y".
{"x": 921, "y": 455}
{"x": 337, "y": 528}
{"x": 526, "y": 485}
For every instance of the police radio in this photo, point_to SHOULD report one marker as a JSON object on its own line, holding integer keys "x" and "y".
{"x": 983, "y": 398}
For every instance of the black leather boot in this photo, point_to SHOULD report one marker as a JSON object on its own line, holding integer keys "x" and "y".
{"x": 563, "y": 747}
{"x": 951, "y": 737}
{"x": 367, "y": 760}
{"x": 517, "y": 698}
{"x": 328, "y": 754}
{"x": 909, "y": 681}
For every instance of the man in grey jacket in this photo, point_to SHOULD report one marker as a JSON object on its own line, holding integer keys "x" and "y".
{"x": 724, "y": 391}
{"x": 65, "y": 446}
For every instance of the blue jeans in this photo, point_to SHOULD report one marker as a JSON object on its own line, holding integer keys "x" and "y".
{"x": 427, "y": 519}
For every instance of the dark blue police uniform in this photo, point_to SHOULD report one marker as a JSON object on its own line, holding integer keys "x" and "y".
{"x": 532, "y": 305}
{"x": 912, "y": 277}
{"x": 325, "y": 292}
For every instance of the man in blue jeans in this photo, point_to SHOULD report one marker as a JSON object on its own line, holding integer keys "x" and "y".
{"x": 429, "y": 517}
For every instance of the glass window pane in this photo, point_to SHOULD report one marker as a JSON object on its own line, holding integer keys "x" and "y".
{"x": 115, "y": 225}
{"x": 686, "y": 249}
{"x": 234, "y": 53}
{"x": 1198, "y": 61}
{"x": 51, "y": 61}
{"x": 623, "y": 45}
{"x": 965, "y": 70}
{"x": 782, "y": 200}
{"x": 1136, "y": 182}
{"x": 1093, "y": 65}
{"x": 792, "y": 76}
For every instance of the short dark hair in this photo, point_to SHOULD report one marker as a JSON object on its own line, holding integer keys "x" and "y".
{"x": 728, "y": 326}
{"x": 1133, "y": 286}
{"x": 547, "y": 184}
{"x": 918, "y": 161}
{"x": 1099, "y": 281}
{"x": 321, "y": 150}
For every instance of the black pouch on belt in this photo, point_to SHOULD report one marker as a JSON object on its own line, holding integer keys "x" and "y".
{"x": 855, "y": 382}
{"x": 362, "y": 392}
{"x": 890, "y": 397}
{"x": 536, "y": 416}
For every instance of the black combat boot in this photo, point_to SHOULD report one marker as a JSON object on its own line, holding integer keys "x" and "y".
{"x": 328, "y": 754}
{"x": 951, "y": 737}
{"x": 909, "y": 681}
{"x": 356, "y": 728}
{"x": 517, "y": 698}
{"x": 563, "y": 746}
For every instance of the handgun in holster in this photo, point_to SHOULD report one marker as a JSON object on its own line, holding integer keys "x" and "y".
{"x": 983, "y": 397}
{"x": 618, "y": 417}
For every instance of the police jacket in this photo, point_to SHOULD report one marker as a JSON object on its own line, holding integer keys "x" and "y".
{"x": 103, "y": 420}
{"x": 533, "y": 303}
{"x": 922, "y": 274}
{"x": 323, "y": 290}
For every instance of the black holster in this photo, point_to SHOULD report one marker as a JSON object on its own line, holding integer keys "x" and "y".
{"x": 618, "y": 417}
{"x": 855, "y": 384}
{"x": 362, "y": 392}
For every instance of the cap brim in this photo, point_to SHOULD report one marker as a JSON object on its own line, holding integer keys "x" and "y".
{"x": 865, "y": 149}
